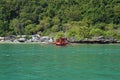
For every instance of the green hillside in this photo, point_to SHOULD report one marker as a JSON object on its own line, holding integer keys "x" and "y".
{"x": 78, "y": 18}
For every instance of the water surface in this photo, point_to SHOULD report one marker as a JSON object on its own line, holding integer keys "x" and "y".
{"x": 49, "y": 62}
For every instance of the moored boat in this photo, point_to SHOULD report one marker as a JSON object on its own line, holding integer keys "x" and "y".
{"x": 61, "y": 41}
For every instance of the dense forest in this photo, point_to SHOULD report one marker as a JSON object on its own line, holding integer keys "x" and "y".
{"x": 73, "y": 18}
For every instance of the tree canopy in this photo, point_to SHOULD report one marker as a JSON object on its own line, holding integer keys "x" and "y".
{"x": 80, "y": 18}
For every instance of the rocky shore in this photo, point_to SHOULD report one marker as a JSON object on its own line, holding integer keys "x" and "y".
{"x": 26, "y": 39}
{"x": 46, "y": 39}
{"x": 96, "y": 42}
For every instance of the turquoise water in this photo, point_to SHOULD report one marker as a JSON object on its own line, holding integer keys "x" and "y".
{"x": 49, "y": 62}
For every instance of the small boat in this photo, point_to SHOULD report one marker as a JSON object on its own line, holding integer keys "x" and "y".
{"x": 61, "y": 42}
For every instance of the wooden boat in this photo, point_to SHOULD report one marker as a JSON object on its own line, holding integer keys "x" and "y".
{"x": 61, "y": 42}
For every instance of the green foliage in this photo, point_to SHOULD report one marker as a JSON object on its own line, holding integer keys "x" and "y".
{"x": 78, "y": 18}
{"x": 29, "y": 29}
{"x": 109, "y": 33}
{"x": 96, "y": 32}
{"x": 59, "y": 34}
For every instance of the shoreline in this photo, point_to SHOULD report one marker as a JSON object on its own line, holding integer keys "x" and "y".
{"x": 76, "y": 42}
{"x": 96, "y": 42}
{"x": 23, "y": 43}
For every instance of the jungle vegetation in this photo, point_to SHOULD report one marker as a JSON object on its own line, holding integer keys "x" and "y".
{"x": 72, "y": 18}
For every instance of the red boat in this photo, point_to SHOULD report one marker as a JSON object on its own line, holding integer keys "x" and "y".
{"x": 61, "y": 42}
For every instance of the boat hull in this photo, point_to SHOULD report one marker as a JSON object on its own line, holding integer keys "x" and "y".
{"x": 60, "y": 44}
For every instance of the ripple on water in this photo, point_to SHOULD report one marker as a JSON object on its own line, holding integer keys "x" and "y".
{"x": 48, "y": 62}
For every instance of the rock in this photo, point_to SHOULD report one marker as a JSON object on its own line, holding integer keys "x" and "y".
{"x": 21, "y": 39}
